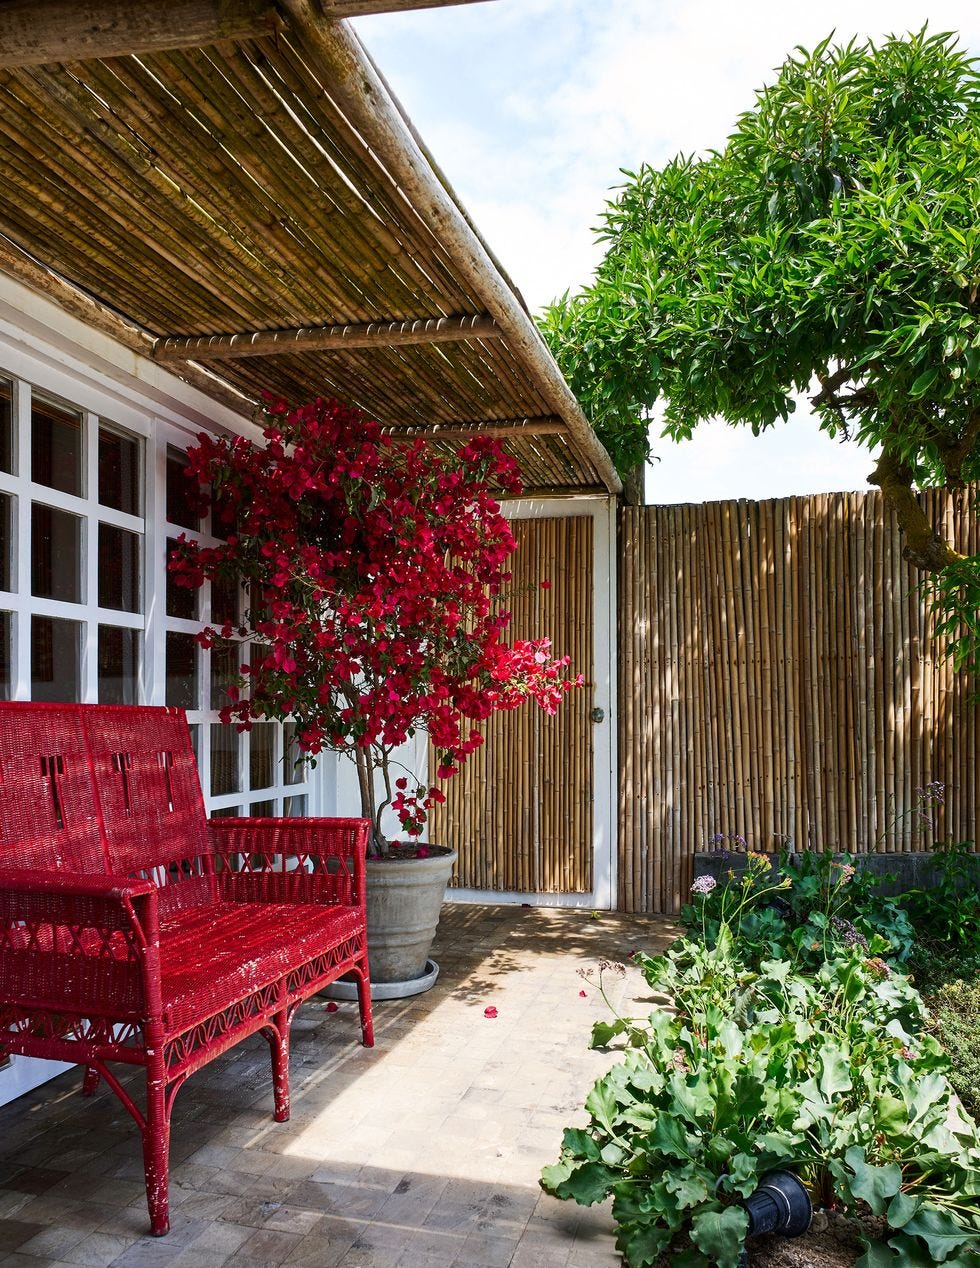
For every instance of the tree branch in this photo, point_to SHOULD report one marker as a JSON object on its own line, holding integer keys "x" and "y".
{"x": 924, "y": 547}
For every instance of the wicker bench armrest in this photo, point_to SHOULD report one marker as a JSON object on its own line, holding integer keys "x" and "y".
{"x": 81, "y": 884}
{"x": 79, "y": 942}
{"x": 291, "y": 860}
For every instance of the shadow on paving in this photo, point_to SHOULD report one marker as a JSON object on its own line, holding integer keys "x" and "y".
{"x": 422, "y": 1151}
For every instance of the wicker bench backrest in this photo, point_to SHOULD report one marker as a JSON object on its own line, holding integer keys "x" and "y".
{"x": 105, "y": 788}
{"x": 154, "y": 821}
{"x": 49, "y": 818}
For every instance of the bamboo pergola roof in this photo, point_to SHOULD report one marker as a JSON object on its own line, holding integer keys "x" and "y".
{"x": 230, "y": 188}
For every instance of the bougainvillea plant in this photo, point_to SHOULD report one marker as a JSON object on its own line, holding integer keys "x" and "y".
{"x": 375, "y": 569}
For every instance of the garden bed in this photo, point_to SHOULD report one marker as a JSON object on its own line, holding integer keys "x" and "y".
{"x": 796, "y": 1040}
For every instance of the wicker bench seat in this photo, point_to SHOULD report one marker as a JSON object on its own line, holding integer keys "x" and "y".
{"x": 133, "y": 930}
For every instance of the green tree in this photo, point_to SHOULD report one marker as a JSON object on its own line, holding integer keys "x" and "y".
{"x": 833, "y": 248}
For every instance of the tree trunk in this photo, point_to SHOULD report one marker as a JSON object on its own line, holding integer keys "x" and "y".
{"x": 924, "y": 546}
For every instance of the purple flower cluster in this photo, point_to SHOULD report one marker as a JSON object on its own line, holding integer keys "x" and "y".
{"x": 703, "y": 885}
{"x": 849, "y": 936}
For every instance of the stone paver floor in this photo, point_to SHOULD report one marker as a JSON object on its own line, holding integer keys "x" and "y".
{"x": 423, "y": 1151}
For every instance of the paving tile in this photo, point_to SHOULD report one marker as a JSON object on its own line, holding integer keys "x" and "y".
{"x": 421, "y": 1152}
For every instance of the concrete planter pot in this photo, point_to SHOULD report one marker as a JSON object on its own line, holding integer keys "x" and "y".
{"x": 404, "y": 898}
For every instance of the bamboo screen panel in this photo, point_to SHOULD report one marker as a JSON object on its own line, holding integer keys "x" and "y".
{"x": 520, "y": 809}
{"x": 779, "y": 681}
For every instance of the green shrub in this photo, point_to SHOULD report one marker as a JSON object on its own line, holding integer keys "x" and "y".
{"x": 946, "y": 914}
{"x": 820, "y": 905}
{"x": 827, "y": 1073}
{"x": 955, "y": 1007}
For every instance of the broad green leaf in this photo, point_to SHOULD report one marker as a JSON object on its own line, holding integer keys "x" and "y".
{"x": 874, "y": 1185}
{"x": 642, "y": 1246}
{"x": 579, "y": 1143}
{"x": 901, "y": 1209}
{"x": 688, "y": 1187}
{"x": 940, "y": 1232}
{"x": 720, "y": 1233}
{"x": 586, "y": 1184}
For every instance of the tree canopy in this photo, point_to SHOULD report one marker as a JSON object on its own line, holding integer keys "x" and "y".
{"x": 832, "y": 248}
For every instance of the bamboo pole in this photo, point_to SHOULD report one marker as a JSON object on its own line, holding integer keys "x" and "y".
{"x": 32, "y": 34}
{"x": 371, "y": 110}
{"x": 379, "y": 334}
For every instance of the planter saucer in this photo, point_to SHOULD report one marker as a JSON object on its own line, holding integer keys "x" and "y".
{"x": 386, "y": 990}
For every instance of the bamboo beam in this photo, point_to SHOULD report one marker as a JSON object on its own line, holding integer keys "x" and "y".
{"x": 376, "y": 334}
{"x": 35, "y": 34}
{"x": 499, "y": 428}
{"x": 337, "y": 9}
{"x": 362, "y": 96}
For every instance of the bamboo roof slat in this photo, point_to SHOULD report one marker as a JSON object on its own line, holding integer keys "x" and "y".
{"x": 253, "y": 183}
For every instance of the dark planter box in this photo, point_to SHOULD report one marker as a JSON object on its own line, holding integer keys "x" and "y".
{"x": 917, "y": 870}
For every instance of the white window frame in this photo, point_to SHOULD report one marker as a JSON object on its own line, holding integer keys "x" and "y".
{"x": 44, "y": 347}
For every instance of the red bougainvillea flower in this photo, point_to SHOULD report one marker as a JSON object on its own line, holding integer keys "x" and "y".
{"x": 583, "y": 994}
{"x": 375, "y": 569}
{"x": 490, "y": 1012}
{"x": 330, "y": 1008}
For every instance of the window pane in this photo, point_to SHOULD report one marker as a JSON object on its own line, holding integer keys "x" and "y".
{"x": 181, "y": 600}
{"x": 294, "y": 771}
{"x": 261, "y": 772}
{"x": 229, "y": 812}
{"x": 56, "y": 554}
{"x": 225, "y": 748}
{"x": 119, "y": 471}
{"x": 295, "y": 807}
{"x": 180, "y": 508}
{"x": 119, "y": 569}
{"x": 183, "y": 686}
{"x": 119, "y": 658}
{"x": 6, "y": 425}
{"x": 6, "y": 655}
{"x": 56, "y": 444}
{"x": 56, "y": 659}
{"x": 225, "y": 661}
{"x": 224, "y": 601}
{"x": 7, "y": 504}
{"x": 262, "y": 810}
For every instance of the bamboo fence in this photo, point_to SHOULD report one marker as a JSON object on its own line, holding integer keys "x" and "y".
{"x": 780, "y": 682}
{"x": 520, "y": 809}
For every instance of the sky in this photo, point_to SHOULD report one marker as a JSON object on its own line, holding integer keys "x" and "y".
{"x": 533, "y": 107}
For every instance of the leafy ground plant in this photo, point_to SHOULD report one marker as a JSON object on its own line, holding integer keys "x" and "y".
{"x": 814, "y": 905}
{"x": 827, "y": 1073}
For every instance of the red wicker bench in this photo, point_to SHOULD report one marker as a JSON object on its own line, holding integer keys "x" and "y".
{"x": 135, "y": 930}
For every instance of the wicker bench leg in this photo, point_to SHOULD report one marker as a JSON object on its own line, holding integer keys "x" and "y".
{"x": 364, "y": 1005}
{"x": 277, "y": 1034}
{"x": 156, "y": 1149}
{"x": 91, "y": 1081}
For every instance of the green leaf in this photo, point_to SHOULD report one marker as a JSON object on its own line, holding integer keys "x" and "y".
{"x": 687, "y": 1186}
{"x": 874, "y": 1185}
{"x": 924, "y": 382}
{"x": 835, "y": 1071}
{"x": 720, "y": 1233}
{"x": 901, "y": 1209}
{"x": 604, "y": 1031}
{"x": 579, "y": 1143}
{"x": 603, "y": 1106}
{"x": 642, "y": 1246}
{"x": 586, "y": 1184}
{"x": 940, "y": 1232}
{"x": 670, "y": 1138}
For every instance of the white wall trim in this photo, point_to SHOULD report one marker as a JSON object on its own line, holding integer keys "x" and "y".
{"x": 35, "y": 327}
